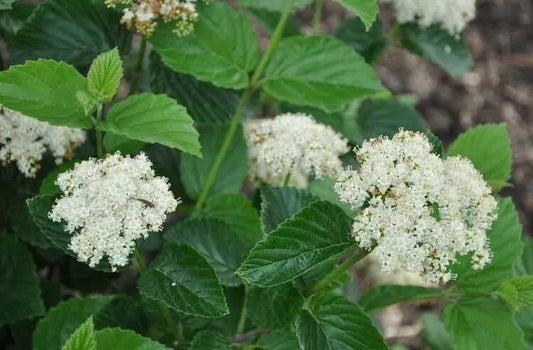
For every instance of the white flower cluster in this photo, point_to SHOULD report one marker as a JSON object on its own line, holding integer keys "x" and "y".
{"x": 294, "y": 147}
{"x": 451, "y": 15}
{"x": 419, "y": 210}
{"x": 144, "y": 14}
{"x": 109, "y": 203}
{"x": 24, "y": 140}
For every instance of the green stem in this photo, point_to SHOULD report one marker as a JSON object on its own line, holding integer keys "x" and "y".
{"x": 99, "y": 137}
{"x": 138, "y": 260}
{"x": 340, "y": 270}
{"x": 138, "y": 68}
{"x": 244, "y": 310}
{"x": 317, "y": 17}
{"x": 230, "y": 134}
{"x": 286, "y": 180}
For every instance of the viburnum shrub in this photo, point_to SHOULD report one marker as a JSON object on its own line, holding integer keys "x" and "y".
{"x": 168, "y": 184}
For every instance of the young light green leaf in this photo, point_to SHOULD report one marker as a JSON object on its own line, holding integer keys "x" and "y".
{"x": 224, "y": 247}
{"x": 155, "y": 119}
{"x": 92, "y": 29}
{"x": 434, "y": 332}
{"x": 281, "y": 339}
{"x": 482, "y": 324}
{"x": 366, "y": 10}
{"x": 333, "y": 322}
{"x": 231, "y": 174}
{"x": 506, "y": 247}
{"x": 55, "y": 328}
{"x": 83, "y": 338}
{"x": 274, "y": 307}
{"x": 386, "y": 295}
{"x": 518, "y": 292}
{"x": 183, "y": 279}
{"x": 45, "y": 90}
{"x": 238, "y": 212}
{"x": 118, "y": 339}
{"x": 489, "y": 149}
{"x": 438, "y": 46}
{"x": 20, "y": 296}
{"x": 39, "y": 207}
{"x": 368, "y": 43}
{"x": 316, "y": 234}
{"x": 87, "y": 101}
{"x": 210, "y": 340}
{"x": 222, "y": 49}
{"x": 104, "y": 75}
{"x": 322, "y": 72}
{"x": 280, "y": 203}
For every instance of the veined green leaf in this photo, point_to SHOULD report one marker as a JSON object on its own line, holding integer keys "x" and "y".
{"x": 386, "y": 295}
{"x": 316, "y": 234}
{"x": 322, "y": 72}
{"x": 210, "y": 340}
{"x": 366, "y": 10}
{"x": 183, "y": 279}
{"x": 482, "y": 324}
{"x": 155, "y": 119}
{"x": 274, "y": 307}
{"x": 83, "y": 338}
{"x": 104, "y": 75}
{"x": 518, "y": 292}
{"x": 92, "y": 28}
{"x": 45, "y": 90}
{"x": 489, "y": 149}
{"x": 118, "y": 339}
{"x": 222, "y": 49}
{"x": 333, "y": 322}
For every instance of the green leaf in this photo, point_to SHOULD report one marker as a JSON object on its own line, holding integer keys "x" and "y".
{"x": 324, "y": 189}
{"x": 366, "y": 10}
{"x": 103, "y": 79}
{"x": 434, "y": 332}
{"x": 23, "y": 226}
{"x": 39, "y": 207}
{"x": 121, "y": 339}
{"x": 114, "y": 142}
{"x": 525, "y": 265}
{"x": 489, "y": 149}
{"x": 333, "y": 322}
{"x": 231, "y": 174}
{"x": 153, "y": 118}
{"x": 20, "y": 296}
{"x": 166, "y": 161}
{"x": 274, "y": 307}
{"x": 48, "y": 185}
{"x": 506, "y": 246}
{"x": 55, "y": 328}
{"x": 524, "y": 318}
{"x": 224, "y": 247}
{"x": 438, "y": 46}
{"x": 238, "y": 212}
{"x": 92, "y": 28}
{"x": 368, "y": 43}
{"x": 518, "y": 292}
{"x": 322, "y": 72}
{"x": 45, "y": 90}
{"x": 183, "y": 279}
{"x": 6, "y": 4}
{"x": 222, "y": 49}
{"x": 83, "y": 338}
{"x": 386, "y": 295}
{"x": 210, "y": 340}
{"x": 274, "y": 5}
{"x": 12, "y": 21}
{"x": 386, "y": 117}
{"x": 209, "y": 105}
{"x": 316, "y": 234}
{"x": 279, "y": 340}
{"x": 280, "y": 203}
{"x": 482, "y": 324}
